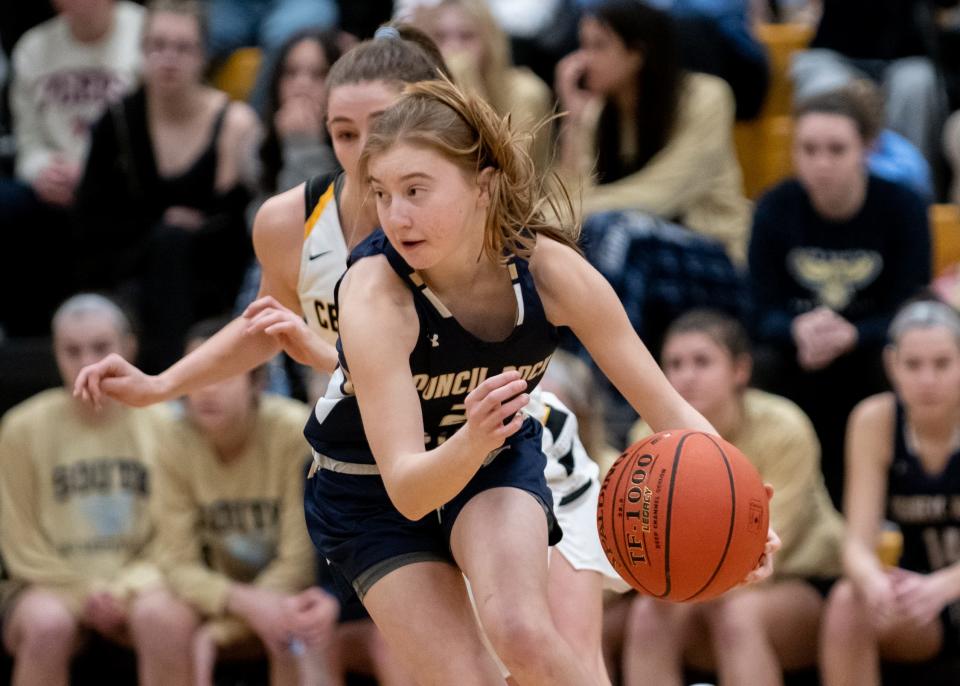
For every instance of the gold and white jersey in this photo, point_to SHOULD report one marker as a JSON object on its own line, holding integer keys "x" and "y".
{"x": 324, "y": 256}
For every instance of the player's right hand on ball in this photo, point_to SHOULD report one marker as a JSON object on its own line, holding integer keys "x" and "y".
{"x": 493, "y": 410}
{"x": 114, "y": 377}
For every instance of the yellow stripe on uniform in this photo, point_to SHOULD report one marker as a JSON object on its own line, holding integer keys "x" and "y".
{"x": 317, "y": 211}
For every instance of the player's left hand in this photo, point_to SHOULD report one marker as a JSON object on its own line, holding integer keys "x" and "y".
{"x": 921, "y": 597}
{"x": 764, "y": 568}
{"x": 268, "y": 316}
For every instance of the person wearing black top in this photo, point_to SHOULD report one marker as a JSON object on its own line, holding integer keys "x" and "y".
{"x": 834, "y": 252}
{"x": 161, "y": 204}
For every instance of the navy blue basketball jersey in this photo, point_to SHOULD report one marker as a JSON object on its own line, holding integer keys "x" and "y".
{"x": 447, "y": 362}
{"x": 926, "y": 506}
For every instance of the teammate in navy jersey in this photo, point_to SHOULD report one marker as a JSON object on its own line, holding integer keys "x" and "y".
{"x": 903, "y": 463}
{"x": 426, "y": 465}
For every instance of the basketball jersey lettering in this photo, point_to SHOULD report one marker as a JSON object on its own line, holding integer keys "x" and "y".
{"x": 326, "y": 315}
{"x": 452, "y": 383}
{"x": 943, "y": 546}
{"x": 528, "y": 371}
{"x": 99, "y": 477}
{"x": 242, "y": 516}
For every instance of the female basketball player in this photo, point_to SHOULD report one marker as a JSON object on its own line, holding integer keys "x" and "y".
{"x": 298, "y": 280}
{"x": 903, "y": 463}
{"x": 448, "y": 318}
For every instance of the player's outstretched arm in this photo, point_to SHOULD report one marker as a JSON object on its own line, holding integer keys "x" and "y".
{"x": 228, "y": 353}
{"x": 576, "y": 295}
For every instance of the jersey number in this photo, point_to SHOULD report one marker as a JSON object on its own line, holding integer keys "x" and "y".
{"x": 943, "y": 547}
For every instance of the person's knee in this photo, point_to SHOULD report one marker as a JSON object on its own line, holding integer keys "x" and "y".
{"x": 43, "y": 625}
{"x": 159, "y": 614}
{"x": 845, "y": 613}
{"x": 818, "y": 71}
{"x": 735, "y": 621}
{"x": 912, "y": 79}
{"x": 519, "y": 637}
{"x": 647, "y": 623}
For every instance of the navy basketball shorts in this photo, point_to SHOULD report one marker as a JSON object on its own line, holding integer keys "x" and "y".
{"x": 356, "y": 527}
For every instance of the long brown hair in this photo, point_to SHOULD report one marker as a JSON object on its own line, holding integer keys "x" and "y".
{"x": 467, "y": 131}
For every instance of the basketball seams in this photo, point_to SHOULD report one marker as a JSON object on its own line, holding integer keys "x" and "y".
{"x": 669, "y": 518}
{"x": 733, "y": 517}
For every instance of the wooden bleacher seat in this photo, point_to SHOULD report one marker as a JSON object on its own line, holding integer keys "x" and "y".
{"x": 238, "y": 73}
{"x": 781, "y": 42}
{"x": 763, "y": 145}
{"x": 945, "y": 235}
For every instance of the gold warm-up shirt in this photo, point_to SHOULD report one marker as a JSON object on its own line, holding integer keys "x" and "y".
{"x": 242, "y": 521}
{"x": 74, "y": 496}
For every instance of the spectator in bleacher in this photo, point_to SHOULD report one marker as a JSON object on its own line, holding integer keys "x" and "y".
{"x": 295, "y": 147}
{"x": 539, "y": 32}
{"x": 75, "y": 485}
{"x": 642, "y": 134}
{"x": 231, "y": 536}
{"x": 716, "y": 38}
{"x": 64, "y": 72}
{"x": 753, "y": 634}
{"x": 164, "y": 192}
{"x": 902, "y": 465}
{"x": 834, "y": 253}
{"x": 889, "y": 41}
{"x": 266, "y": 24}
{"x": 477, "y": 51}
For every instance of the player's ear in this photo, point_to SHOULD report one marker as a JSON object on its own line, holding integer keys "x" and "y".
{"x": 484, "y": 182}
{"x": 742, "y": 370}
{"x": 129, "y": 347}
{"x": 889, "y": 359}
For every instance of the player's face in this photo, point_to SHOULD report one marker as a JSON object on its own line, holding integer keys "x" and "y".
{"x": 610, "y": 65}
{"x": 702, "y": 371}
{"x": 457, "y": 34}
{"x": 220, "y": 408}
{"x": 925, "y": 369}
{"x": 173, "y": 51}
{"x": 428, "y": 206}
{"x": 351, "y": 110}
{"x": 86, "y": 338}
{"x": 304, "y": 73}
{"x": 829, "y": 156}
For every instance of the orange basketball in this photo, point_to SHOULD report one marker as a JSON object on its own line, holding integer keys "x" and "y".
{"x": 683, "y": 516}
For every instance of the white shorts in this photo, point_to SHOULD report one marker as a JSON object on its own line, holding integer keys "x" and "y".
{"x": 580, "y": 544}
{"x": 574, "y": 480}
